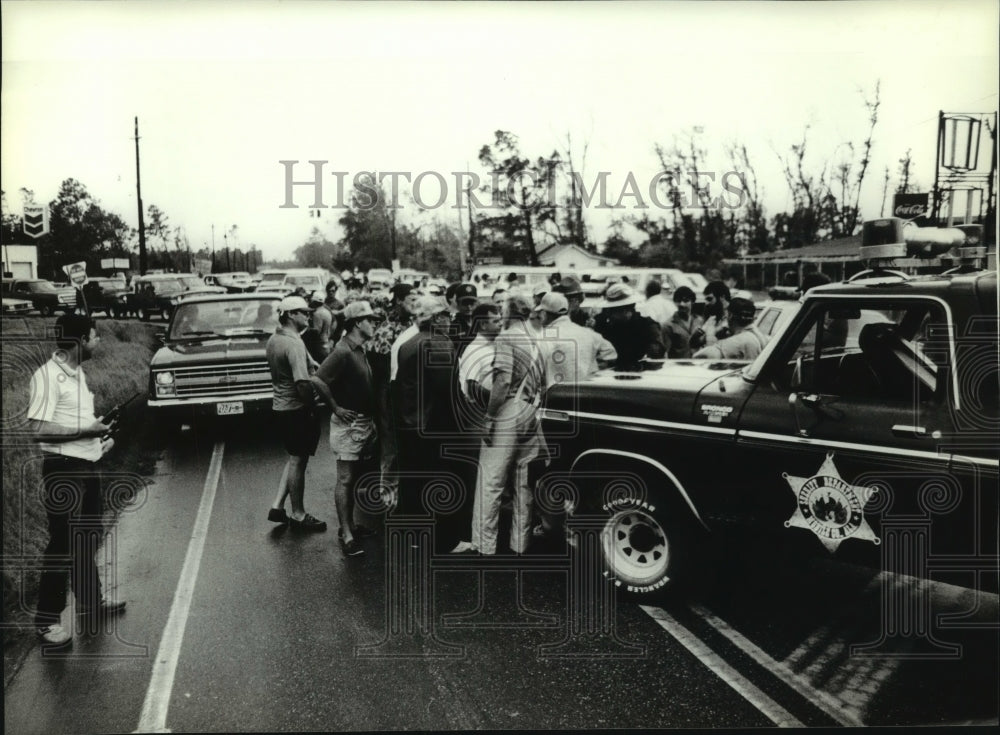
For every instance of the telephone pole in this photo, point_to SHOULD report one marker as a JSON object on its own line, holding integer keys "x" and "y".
{"x": 138, "y": 193}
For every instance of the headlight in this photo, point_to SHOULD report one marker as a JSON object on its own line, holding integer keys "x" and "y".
{"x": 165, "y": 378}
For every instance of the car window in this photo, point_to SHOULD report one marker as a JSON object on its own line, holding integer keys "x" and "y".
{"x": 879, "y": 353}
{"x": 224, "y": 318}
{"x": 41, "y": 287}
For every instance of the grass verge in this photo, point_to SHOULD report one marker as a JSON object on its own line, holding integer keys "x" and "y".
{"x": 118, "y": 370}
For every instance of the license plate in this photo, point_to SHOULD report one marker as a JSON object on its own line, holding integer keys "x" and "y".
{"x": 229, "y": 408}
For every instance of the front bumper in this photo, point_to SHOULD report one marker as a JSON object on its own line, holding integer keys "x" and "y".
{"x": 206, "y": 406}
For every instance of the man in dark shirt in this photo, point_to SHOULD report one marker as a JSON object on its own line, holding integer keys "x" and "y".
{"x": 352, "y": 423}
{"x": 424, "y": 393}
{"x": 466, "y": 298}
{"x": 633, "y": 335}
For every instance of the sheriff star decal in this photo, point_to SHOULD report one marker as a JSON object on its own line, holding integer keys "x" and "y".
{"x": 830, "y": 507}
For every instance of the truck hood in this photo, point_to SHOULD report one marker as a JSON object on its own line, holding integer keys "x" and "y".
{"x": 669, "y": 391}
{"x": 244, "y": 348}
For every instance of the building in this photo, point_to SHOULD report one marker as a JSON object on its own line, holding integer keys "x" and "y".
{"x": 572, "y": 257}
{"x": 20, "y": 261}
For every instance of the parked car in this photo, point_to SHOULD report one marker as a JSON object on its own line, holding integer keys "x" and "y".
{"x": 109, "y": 295}
{"x": 160, "y": 293}
{"x": 236, "y": 282}
{"x": 15, "y": 307}
{"x": 867, "y": 424}
{"x": 43, "y": 295}
{"x": 212, "y": 362}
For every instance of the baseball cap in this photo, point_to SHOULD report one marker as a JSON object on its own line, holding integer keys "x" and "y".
{"x": 554, "y": 303}
{"x": 318, "y": 297}
{"x": 293, "y": 303}
{"x": 569, "y": 285}
{"x": 357, "y": 310}
{"x": 540, "y": 288}
{"x": 519, "y": 301}
{"x": 466, "y": 291}
{"x": 618, "y": 295}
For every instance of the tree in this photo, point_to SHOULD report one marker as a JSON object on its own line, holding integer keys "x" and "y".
{"x": 522, "y": 188}
{"x": 317, "y": 251}
{"x": 369, "y": 229}
{"x": 80, "y": 229}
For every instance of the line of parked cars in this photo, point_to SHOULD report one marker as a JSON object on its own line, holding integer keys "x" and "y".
{"x": 21, "y": 295}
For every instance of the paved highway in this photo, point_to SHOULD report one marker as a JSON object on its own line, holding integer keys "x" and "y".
{"x": 235, "y": 624}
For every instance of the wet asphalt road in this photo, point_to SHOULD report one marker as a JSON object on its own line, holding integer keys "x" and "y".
{"x": 283, "y": 633}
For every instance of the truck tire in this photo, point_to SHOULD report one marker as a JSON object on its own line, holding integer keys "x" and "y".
{"x": 648, "y": 546}
{"x": 143, "y": 314}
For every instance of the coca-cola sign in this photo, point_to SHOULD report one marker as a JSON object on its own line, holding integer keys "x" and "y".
{"x": 908, "y": 206}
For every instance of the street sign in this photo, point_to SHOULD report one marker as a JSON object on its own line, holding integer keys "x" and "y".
{"x": 77, "y": 273}
{"x": 36, "y": 220}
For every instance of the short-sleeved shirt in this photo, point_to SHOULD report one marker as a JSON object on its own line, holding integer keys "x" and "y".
{"x": 322, "y": 322}
{"x": 59, "y": 395}
{"x": 289, "y": 363}
{"x": 347, "y": 372}
{"x": 572, "y": 352}
{"x": 517, "y": 355}
{"x": 745, "y": 345}
{"x": 476, "y": 364}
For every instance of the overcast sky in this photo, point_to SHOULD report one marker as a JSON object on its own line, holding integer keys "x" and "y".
{"x": 223, "y": 91}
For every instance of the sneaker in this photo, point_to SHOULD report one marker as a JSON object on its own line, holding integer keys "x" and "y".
{"x": 351, "y": 548}
{"x": 54, "y": 634}
{"x": 277, "y": 515}
{"x": 463, "y": 547}
{"x": 105, "y": 609}
{"x": 308, "y": 523}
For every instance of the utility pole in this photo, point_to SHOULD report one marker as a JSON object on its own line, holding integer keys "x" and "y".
{"x": 138, "y": 193}
{"x": 213, "y": 248}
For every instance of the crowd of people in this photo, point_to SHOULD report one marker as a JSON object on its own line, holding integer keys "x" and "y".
{"x": 409, "y": 378}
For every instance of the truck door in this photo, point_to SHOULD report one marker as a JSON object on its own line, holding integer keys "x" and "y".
{"x": 849, "y": 422}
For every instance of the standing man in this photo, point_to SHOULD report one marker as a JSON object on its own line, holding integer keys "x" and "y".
{"x": 322, "y": 320}
{"x": 512, "y": 437}
{"x": 717, "y": 298}
{"x": 399, "y": 318}
{"x": 72, "y": 441}
{"x": 657, "y": 306}
{"x": 570, "y": 352}
{"x": 634, "y": 336}
{"x": 424, "y": 384}
{"x": 294, "y": 411}
{"x": 352, "y": 423}
{"x": 466, "y": 297}
{"x": 678, "y": 330}
{"x": 745, "y": 342}
{"x": 570, "y": 287}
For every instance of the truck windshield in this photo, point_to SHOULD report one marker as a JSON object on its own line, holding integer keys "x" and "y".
{"x": 224, "y": 319}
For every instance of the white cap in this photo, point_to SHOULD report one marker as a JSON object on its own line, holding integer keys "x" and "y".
{"x": 293, "y": 303}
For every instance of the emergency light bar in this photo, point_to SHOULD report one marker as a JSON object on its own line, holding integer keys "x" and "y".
{"x": 885, "y": 239}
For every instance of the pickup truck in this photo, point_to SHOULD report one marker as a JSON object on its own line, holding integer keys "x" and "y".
{"x": 866, "y": 429}
{"x": 43, "y": 295}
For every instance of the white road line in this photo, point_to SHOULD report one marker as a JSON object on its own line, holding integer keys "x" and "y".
{"x": 740, "y": 684}
{"x": 822, "y": 700}
{"x": 161, "y": 684}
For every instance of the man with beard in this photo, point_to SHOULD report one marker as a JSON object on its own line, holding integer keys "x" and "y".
{"x": 717, "y": 296}
{"x": 679, "y": 328}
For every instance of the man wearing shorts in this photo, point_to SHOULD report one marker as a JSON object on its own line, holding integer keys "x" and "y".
{"x": 352, "y": 424}
{"x": 294, "y": 409}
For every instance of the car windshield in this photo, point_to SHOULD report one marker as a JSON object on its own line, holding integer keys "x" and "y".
{"x": 224, "y": 319}
{"x": 167, "y": 285}
{"x": 192, "y": 281}
{"x": 312, "y": 281}
{"x": 40, "y": 287}
{"x": 273, "y": 277}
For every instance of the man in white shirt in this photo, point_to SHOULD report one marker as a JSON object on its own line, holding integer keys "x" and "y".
{"x": 72, "y": 440}
{"x": 570, "y": 352}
